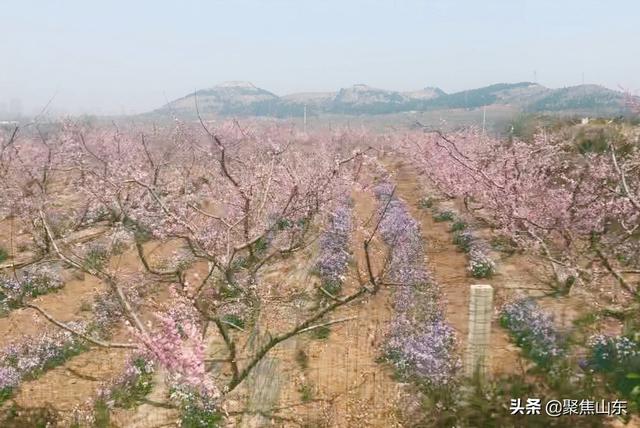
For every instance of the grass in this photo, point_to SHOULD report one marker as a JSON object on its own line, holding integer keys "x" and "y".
{"x": 229, "y": 291}
{"x": 425, "y": 203}
{"x": 63, "y": 356}
{"x": 333, "y": 287}
{"x": 101, "y": 415}
{"x": 502, "y": 244}
{"x": 4, "y": 254}
{"x": 321, "y": 332}
{"x": 67, "y": 352}
{"x": 96, "y": 258}
{"x": 141, "y": 233}
{"x": 306, "y": 392}
{"x": 458, "y": 225}
{"x": 443, "y": 216}
{"x": 131, "y": 395}
{"x": 233, "y": 319}
{"x": 302, "y": 359}
{"x": 462, "y": 241}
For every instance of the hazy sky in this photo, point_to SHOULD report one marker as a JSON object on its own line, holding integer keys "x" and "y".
{"x": 130, "y": 56}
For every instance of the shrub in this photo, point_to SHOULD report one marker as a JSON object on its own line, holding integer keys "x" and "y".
{"x": 332, "y": 287}
{"x": 480, "y": 265}
{"x": 444, "y": 216}
{"x": 618, "y": 358}
{"x": 463, "y": 239}
{"x": 96, "y": 257}
{"x": 532, "y": 329}
{"x": 4, "y": 254}
{"x": 306, "y": 392}
{"x": 458, "y": 225}
{"x": 133, "y": 385}
{"x": 302, "y": 359}
{"x": 141, "y": 233}
{"x": 502, "y": 244}
{"x": 283, "y": 224}
{"x": 196, "y": 410}
{"x": 233, "y": 319}
{"x": 321, "y": 332}
{"x": 425, "y": 203}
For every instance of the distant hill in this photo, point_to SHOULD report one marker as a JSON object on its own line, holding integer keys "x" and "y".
{"x": 245, "y": 99}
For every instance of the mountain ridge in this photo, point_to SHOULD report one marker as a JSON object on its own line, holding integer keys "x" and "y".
{"x": 242, "y": 98}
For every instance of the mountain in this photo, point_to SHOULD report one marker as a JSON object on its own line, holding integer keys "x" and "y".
{"x": 427, "y": 93}
{"x": 579, "y": 98}
{"x": 245, "y": 99}
{"x": 228, "y": 98}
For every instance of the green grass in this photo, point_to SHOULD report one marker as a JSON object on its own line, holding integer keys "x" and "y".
{"x": 131, "y": 395}
{"x": 96, "y": 258}
{"x": 302, "y": 359}
{"x": 233, "y": 319}
{"x": 306, "y": 392}
{"x": 333, "y": 287}
{"x": 4, "y": 254}
{"x": 101, "y": 415}
{"x": 462, "y": 241}
{"x": 425, "y": 203}
{"x": 443, "y": 216}
{"x": 321, "y": 332}
{"x": 458, "y": 225}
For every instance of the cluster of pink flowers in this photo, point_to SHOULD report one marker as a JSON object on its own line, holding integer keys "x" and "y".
{"x": 547, "y": 192}
{"x": 421, "y": 344}
{"x": 176, "y": 344}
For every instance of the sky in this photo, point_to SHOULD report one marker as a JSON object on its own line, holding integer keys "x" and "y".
{"x": 114, "y": 57}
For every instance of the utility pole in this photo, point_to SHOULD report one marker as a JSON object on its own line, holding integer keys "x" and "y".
{"x": 484, "y": 119}
{"x": 304, "y": 120}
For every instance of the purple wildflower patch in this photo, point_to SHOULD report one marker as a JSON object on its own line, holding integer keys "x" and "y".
{"x": 421, "y": 344}
{"x": 334, "y": 248}
{"x": 533, "y": 330}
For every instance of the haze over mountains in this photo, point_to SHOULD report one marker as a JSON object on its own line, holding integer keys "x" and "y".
{"x": 245, "y": 99}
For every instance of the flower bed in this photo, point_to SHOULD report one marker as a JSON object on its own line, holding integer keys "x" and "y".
{"x": 29, "y": 357}
{"x": 533, "y": 330}
{"x": 617, "y": 358}
{"x": 334, "y": 248}
{"x": 480, "y": 263}
{"x": 30, "y": 282}
{"x": 421, "y": 344}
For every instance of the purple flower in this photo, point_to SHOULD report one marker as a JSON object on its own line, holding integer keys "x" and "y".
{"x": 420, "y": 343}
{"x": 9, "y": 378}
{"x": 533, "y": 330}
{"x": 334, "y": 243}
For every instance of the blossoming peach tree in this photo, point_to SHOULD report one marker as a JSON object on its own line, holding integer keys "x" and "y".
{"x": 576, "y": 206}
{"x": 235, "y": 199}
